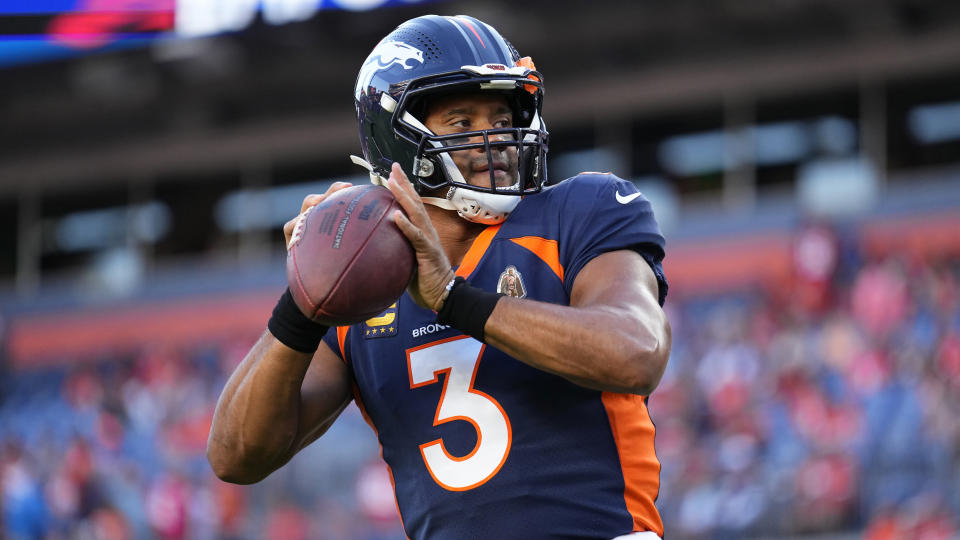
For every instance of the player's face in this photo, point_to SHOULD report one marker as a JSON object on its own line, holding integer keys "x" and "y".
{"x": 474, "y": 112}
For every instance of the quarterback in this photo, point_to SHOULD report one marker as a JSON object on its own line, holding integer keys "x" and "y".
{"x": 507, "y": 386}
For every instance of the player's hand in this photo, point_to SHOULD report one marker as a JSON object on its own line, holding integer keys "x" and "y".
{"x": 433, "y": 268}
{"x": 309, "y": 202}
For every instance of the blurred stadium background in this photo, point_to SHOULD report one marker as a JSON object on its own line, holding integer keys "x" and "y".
{"x": 803, "y": 157}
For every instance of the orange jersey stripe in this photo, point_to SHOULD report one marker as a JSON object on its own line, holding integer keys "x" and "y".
{"x": 476, "y": 251}
{"x": 341, "y": 340}
{"x": 633, "y": 433}
{"x": 544, "y": 248}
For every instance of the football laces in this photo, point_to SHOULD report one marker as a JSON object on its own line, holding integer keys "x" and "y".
{"x": 298, "y": 228}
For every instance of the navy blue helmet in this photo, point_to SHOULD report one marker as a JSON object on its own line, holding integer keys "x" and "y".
{"x": 433, "y": 55}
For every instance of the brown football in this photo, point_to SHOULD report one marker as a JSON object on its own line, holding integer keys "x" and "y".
{"x": 347, "y": 260}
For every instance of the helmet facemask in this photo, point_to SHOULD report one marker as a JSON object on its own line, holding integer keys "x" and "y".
{"x": 514, "y": 157}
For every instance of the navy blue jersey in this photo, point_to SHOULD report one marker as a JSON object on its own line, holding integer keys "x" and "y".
{"x": 481, "y": 445}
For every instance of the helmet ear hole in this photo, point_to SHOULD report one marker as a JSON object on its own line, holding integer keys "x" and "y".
{"x": 428, "y": 169}
{"x": 423, "y": 167}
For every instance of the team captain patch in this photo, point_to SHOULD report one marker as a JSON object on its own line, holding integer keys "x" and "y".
{"x": 383, "y": 325}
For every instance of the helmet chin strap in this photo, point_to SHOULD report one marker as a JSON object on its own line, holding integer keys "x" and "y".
{"x": 375, "y": 178}
{"x": 476, "y": 206}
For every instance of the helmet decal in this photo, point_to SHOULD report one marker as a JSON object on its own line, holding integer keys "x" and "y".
{"x": 386, "y": 55}
{"x": 466, "y": 21}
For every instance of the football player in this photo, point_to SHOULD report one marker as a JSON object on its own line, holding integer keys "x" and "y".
{"x": 500, "y": 415}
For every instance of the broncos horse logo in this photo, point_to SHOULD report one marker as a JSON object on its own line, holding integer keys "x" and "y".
{"x": 386, "y": 55}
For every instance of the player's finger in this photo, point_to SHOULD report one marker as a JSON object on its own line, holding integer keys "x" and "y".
{"x": 288, "y": 230}
{"x": 400, "y": 185}
{"x": 416, "y": 216}
{"x": 413, "y": 233}
{"x": 335, "y": 187}
{"x": 405, "y": 194}
{"x": 290, "y": 227}
{"x": 396, "y": 169}
{"x": 314, "y": 199}
{"x": 396, "y": 172}
{"x": 310, "y": 200}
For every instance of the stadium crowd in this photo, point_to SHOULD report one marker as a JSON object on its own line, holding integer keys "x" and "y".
{"x": 825, "y": 404}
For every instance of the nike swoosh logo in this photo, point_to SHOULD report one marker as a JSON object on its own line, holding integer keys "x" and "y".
{"x": 626, "y": 200}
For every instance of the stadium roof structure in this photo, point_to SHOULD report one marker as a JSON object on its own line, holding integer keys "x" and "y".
{"x": 283, "y": 94}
